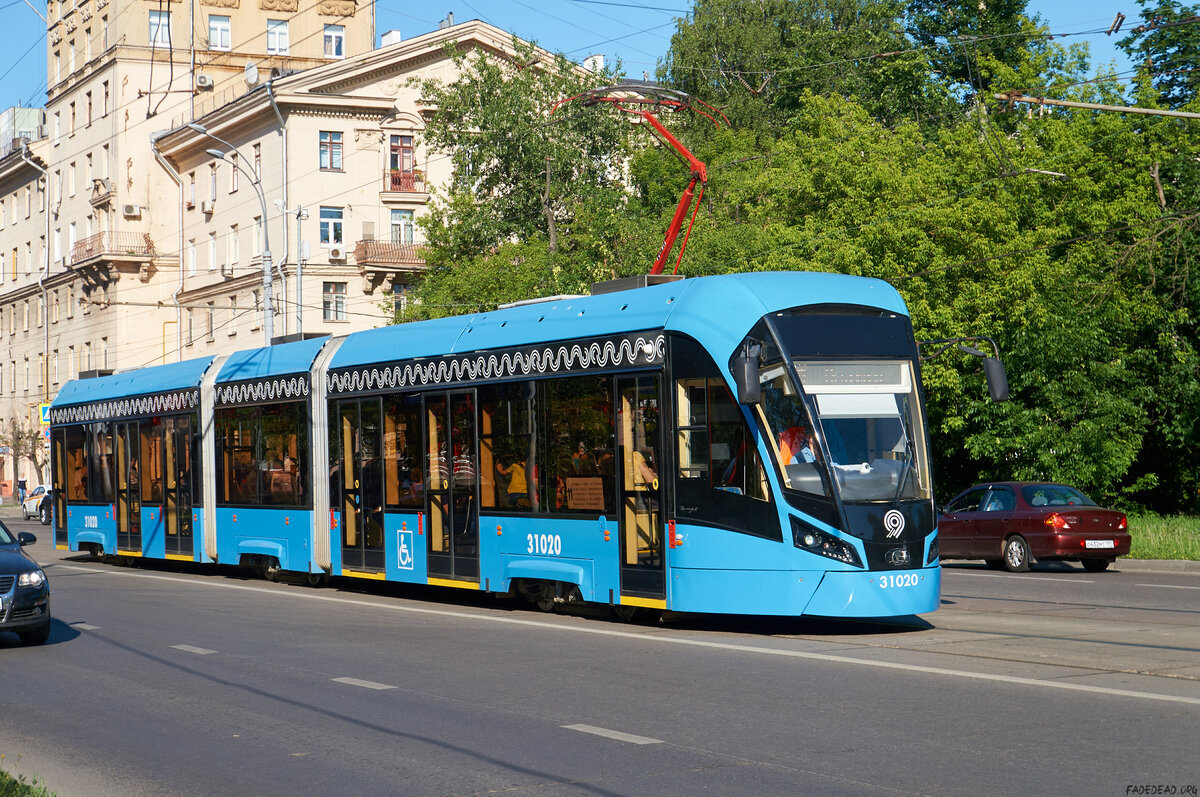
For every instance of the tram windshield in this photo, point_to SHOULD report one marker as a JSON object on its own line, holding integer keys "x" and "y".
{"x": 861, "y": 427}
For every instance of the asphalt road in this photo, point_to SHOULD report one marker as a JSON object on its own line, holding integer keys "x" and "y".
{"x": 179, "y": 680}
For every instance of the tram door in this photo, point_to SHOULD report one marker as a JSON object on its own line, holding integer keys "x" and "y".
{"x": 640, "y": 489}
{"x": 177, "y": 484}
{"x": 358, "y": 473}
{"x": 128, "y": 492}
{"x": 60, "y": 486}
{"x": 452, "y": 488}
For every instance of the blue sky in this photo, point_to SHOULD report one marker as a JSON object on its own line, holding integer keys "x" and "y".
{"x": 636, "y": 31}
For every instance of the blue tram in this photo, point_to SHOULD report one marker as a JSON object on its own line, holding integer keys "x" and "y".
{"x": 751, "y": 443}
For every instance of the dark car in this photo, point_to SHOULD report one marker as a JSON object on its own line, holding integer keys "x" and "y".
{"x": 1013, "y": 524}
{"x": 24, "y": 590}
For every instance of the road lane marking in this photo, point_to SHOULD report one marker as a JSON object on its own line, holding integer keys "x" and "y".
{"x": 363, "y": 684}
{"x": 1023, "y": 578}
{"x": 85, "y": 627}
{"x": 192, "y": 649}
{"x": 657, "y": 638}
{"x": 618, "y": 735}
{"x": 1167, "y": 586}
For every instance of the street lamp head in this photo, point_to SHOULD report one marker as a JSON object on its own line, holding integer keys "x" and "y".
{"x": 199, "y": 128}
{"x": 215, "y": 153}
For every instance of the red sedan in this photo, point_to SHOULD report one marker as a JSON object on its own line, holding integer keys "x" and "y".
{"x": 1013, "y": 524}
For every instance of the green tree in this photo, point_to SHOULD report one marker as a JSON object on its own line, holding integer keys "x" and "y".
{"x": 754, "y": 58}
{"x": 1167, "y": 45}
{"x": 523, "y": 177}
{"x": 959, "y": 33}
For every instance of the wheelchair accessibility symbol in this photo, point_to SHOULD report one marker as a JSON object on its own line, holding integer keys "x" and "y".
{"x": 404, "y": 557}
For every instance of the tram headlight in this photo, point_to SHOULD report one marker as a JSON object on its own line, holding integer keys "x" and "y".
{"x": 807, "y": 538}
{"x": 933, "y": 552}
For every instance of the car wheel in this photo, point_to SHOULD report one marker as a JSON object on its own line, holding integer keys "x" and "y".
{"x": 37, "y": 636}
{"x": 1096, "y": 565}
{"x": 24, "y": 514}
{"x": 45, "y": 513}
{"x": 1016, "y": 554}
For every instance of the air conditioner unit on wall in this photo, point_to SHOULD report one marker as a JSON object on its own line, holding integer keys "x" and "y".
{"x": 227, "y": 270}
{"x": 131, "y": 211}
{"x": 206, "y": 206}
{"x": 337, "y": 253}
{"x": 204, "y": 81}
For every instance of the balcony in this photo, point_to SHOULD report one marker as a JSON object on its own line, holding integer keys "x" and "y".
{"x": 383, "y": 261}
{"x": 411, "y": 182}
{"x": 113, "y": 245}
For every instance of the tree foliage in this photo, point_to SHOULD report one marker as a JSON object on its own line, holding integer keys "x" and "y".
{"x": 1167, "y": 45}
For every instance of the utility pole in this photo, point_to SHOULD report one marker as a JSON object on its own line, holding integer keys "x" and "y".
{"x": 1019, "y": 96}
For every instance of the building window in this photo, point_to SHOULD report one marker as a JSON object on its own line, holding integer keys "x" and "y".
{"x": 212, "y": 182}
{"x": 402, "y": 226}
{"x": 233, "y": 172}
{"x": 331, "y": 226}
{"x": 231, "y": 320}
{"x": 277, "y": 36}
{"x": 233, "y": 244}
{"x": 210, "y": 322}
{"x": 258, "y": 161}
{"x": 335, "y": 41}
{"x": 256, "y": 239}
{"x": 71, "y": 179}
{"x": 333, "y": 301}
{"x": 160, "y": 28}
{"x": 212, "y": 251}
{"x": 331, "y": 151}
{"x": 219, "y": 32}
{"x": 104, "y": 107}
{"x": 104, "y": 161}
{"x": 191, "y": 200}
{"x": 191, "y": 257}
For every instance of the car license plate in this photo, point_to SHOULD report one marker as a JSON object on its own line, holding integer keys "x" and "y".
{"x": 1099, "y": 544}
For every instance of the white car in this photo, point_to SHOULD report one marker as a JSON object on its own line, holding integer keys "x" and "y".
{"x": 37, "y": 504}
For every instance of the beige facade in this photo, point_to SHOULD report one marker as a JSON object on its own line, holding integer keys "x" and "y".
{"x": 124, "y": 243}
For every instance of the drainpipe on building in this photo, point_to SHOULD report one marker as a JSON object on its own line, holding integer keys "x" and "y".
{"x": 42, "y": 277}
{"x": 283, "y": 292}
{"x": 178, "y": 178}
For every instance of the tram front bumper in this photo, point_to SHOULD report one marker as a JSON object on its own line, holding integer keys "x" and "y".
{"x": 875, "y": 593}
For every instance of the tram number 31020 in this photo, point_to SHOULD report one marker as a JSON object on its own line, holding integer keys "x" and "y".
{"x": 545, "y": 544}
{"x": 898, "y": 580}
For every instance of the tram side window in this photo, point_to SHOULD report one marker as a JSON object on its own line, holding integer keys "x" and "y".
{"x": 403, "y": 476}
{"x": 579, "y": 445}
{"x": 262, "y": 455}
{"x": 151, "y": 461}
{"x": 721, "y": 478}
{"x": 99, "y": 487}
{"x": 76, "y": 464}
{"x": 507, "y": 447}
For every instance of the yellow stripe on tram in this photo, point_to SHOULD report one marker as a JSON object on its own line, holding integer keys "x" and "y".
{"x": 136, "y": 554}
{"x": 447, "y": 582}
{"x": 179, "y": 557}
{"x": 359, "y": 574}
{"x": 645, "y": 603}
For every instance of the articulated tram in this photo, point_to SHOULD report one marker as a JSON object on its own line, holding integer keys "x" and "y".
{"x": 751, "y": 444}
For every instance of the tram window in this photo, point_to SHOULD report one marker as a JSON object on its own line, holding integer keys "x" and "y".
{"x": 152, "y": 469}
{"x": 76, "y": 469}
{"x": 579, "y": 445}
{"x": 507, "y": 448}
{"x": 720, "y": 476}
{"x": 262, "y": 455}
{"x": 404, "y": 479}
{"x": 100, "y": 462}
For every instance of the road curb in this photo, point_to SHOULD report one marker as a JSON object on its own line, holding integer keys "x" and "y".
{"x": 1158, "y": 565}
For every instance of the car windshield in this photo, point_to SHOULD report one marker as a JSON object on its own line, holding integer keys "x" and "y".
{"x": 1054, "y": 495}
{"x": 868, "y": 428}
{"x": 6, "y": 537}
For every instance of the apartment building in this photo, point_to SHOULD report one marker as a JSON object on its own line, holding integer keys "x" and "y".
{"x": 177, "y": 137}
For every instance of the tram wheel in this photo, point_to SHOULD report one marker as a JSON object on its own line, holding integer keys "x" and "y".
{"x": 315, "y": 579}
{"x": 626, "y": 614}
{"x": 544, "y": 599}
{"x": 271, "y": 569}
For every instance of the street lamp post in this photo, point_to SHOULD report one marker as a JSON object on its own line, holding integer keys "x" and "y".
{"x": 256, "y": 183}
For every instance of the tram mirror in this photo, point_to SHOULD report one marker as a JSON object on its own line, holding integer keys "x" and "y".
{"x": 745, "y": 376}
{"x": 997, "y": 379}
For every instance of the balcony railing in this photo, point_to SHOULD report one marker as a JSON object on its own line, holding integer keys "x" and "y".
{"x": 115, "y": 244}
{"x": 385, "y": 253}
{"x": 395, "y": 180}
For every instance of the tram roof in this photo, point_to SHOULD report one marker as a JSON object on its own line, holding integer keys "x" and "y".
{"x": 282, "y": 358}
{"x": 718, "y": 311}
{"x": 139, "y": 382}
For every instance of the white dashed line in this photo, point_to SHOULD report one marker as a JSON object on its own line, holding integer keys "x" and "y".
{"x": 363, "y": 684}
{"x": 191, "y": 649}
{"x": 620, "y": 737}
{"x": 1167, "y": 586}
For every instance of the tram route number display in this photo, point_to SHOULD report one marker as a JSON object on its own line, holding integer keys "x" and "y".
{"x": 898, "y": 581}
{"x": 545, "y": 544}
